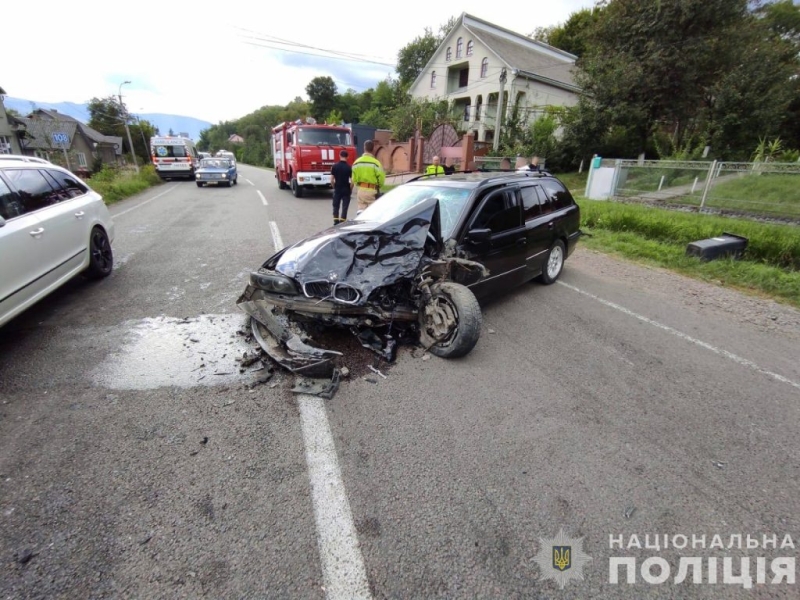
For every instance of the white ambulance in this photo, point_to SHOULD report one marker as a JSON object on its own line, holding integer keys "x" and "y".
{"x": 174, "y": 157}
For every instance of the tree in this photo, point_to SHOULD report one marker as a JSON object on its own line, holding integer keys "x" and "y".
{"x": 13, "y": 112}
{"x": 651, "y": 63}
{"x": 413, "y": 57}
{"x": 322, "y": 95}
{"x": 171, "y": 133}
{"x": 106, "y": 116}
{"x": 572, "y": 36}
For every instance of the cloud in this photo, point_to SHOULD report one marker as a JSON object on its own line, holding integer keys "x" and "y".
{"x": 200, "y": 60}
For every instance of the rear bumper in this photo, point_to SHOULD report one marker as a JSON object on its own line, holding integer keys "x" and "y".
{"x": 572, "y": 241}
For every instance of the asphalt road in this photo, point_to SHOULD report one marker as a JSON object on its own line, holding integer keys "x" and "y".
{"x": 137, "y": 462}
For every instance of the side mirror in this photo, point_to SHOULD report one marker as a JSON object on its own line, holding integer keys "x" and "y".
{"x": 479, "y": 236}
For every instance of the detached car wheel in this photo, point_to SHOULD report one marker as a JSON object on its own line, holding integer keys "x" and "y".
{"x": 450, "y": 323}
{"x": 101, "y": 257}
{"x": 553, "y": 263}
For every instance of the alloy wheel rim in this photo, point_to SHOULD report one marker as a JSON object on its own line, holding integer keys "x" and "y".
{"x": 554, "y": 262}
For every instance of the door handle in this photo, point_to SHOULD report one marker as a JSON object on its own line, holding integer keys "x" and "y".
{"x": 550, "y": 225}
{"x": 80, "y": 214}
{"x": 37, "y": 232}
{"x": 522, "y": 241}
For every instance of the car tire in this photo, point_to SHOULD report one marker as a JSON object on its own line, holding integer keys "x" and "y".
{"x": 281, "y": 184}
{"x": 296, "y": 189}
{"x": 456, "y": 301}
{"x": 199, "y": 184}
{"x": 228, "y": 183}
{"x": 553, "y": 263}
{"x": 101, "y": 256}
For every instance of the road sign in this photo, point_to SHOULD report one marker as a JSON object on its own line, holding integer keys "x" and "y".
{"x": 61, "y": 138}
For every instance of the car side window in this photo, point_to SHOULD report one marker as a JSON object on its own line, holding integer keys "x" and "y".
{"x": 10, "y": 204}
{"x": 533, "y": 199}
{"x": 499, "y": 212}
{"x": 557, "y": 194}
{"x": 68, "y": 186}
{"x": 33, "y": 189}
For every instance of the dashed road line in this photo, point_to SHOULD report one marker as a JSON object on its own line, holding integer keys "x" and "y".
{"x": 276, "y": 235}
{"x": 729, "y": 355}
{"x": 263, "y": 200}
{"x": 119, "y": 214}
{"x": 248, "y": 181}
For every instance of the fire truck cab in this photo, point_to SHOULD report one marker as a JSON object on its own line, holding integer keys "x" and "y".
{"x": 305, "y": 152}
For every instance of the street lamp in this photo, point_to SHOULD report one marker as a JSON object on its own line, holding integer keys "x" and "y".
{"x": 127, "y": 129}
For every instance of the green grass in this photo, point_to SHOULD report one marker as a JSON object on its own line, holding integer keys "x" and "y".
{"x": 117, "y": 184}
{"x": 768, "y": 193}
{"x": 575, "y": 182}
{"x": 658, "y": 237}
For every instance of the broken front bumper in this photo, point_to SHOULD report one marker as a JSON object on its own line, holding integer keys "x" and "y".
{"x": 284, "y": 343}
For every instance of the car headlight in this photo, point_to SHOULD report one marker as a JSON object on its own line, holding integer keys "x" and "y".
{"x": 272, "y": 282}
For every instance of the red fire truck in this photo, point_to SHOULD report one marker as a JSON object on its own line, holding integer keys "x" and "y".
{"x": 305, "y": 152}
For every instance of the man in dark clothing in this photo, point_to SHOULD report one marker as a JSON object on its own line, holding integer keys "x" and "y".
{"x": 341, "y": 178}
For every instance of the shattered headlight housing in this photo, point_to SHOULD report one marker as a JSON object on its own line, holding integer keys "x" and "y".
{"x": 273, "y": 282}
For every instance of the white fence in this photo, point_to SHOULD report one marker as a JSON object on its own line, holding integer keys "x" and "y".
{"x": 768, "y": 189}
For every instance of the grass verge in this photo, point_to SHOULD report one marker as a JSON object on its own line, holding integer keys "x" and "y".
{"x": 116, "y": 184}
{"x": 658, "y": 237}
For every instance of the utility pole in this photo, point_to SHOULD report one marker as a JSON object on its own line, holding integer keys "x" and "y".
{"x": 127, "y": 129}
{"x": 500, "y": 106}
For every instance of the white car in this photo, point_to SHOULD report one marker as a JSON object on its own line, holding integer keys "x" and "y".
{"x": 4, "y": 158}
{"x": 52, "y": 227}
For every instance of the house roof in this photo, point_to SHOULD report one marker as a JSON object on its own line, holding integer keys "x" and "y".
{"x": 40, "y": 132}
{"x": 531, "y": 58}
{"x": 85, "y": 130}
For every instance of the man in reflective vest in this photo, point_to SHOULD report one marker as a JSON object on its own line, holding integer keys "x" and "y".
{"x": 368, "y": 176}
{"x": 435, "y": 168}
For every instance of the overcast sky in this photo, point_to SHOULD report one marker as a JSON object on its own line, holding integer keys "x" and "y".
{"x": 209, "y": 60}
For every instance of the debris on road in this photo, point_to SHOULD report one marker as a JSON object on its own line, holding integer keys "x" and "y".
{"x": 376, "y": 371}
{"x": 318, "y": 387}
{"x": 24, "y": 556}
{"x": 204, "y": 441}
{"x": 426, "y": 356}
{"x": 345, "y": 372}
{"x": 718, "y": 464}
{"x": 629, "y": 512}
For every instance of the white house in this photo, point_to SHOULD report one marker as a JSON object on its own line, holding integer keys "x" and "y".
{"x": 467, "y": 67}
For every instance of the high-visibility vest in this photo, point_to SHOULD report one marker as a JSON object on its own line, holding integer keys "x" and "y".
{"x": 434, "y": 170}
{"x": 368, "y": 169}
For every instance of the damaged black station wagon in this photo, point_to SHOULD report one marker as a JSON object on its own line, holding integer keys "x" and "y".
{"x": 412, "y": 266}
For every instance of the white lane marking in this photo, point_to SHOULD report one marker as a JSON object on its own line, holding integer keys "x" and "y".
{"x": 263, "y": 200}
{"x": 248, "y": 181}
{"x": 729, "y": 355}
{"x": 276, "y": 236}
{"x": 342, "y": 563}
{"x": 119, "y": 214}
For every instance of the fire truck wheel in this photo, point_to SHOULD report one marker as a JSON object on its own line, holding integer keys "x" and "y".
{"x": 281, "y": 184}
{"x": 297, "y": 190}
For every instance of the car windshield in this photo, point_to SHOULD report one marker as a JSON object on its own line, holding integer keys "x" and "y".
{"x": 451, "y": 203}
{"x": 323, "y": 137}
{"x": 216, "y": 163}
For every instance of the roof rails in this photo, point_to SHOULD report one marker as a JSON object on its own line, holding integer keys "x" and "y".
{"x": 509, "y": 171}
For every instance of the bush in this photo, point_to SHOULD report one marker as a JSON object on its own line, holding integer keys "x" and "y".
{"x": 115, "y": 184}
{"x": 776, "y": 245}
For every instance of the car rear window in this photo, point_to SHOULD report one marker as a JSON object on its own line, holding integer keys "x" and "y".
{"x": 10, "y": 205}
{"x": 67, "y": 183}
{"x": 171, "y": 151}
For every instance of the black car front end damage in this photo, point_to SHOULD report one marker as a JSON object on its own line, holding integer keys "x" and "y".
{"x": 386, "y": 282}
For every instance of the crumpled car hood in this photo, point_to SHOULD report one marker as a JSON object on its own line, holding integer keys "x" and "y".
{"x": 364, "y": 255}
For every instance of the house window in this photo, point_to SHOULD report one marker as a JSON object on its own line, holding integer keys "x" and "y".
{"x": 466, "y": 112}
{"x": 433, "y": 79}
{"x": 449, "y": 55}
{"x": 5, "y": 145}
{"x": 478, "y": 108}
{"x": 81, "y": 159}
{"x": 459, "y": 47}
{"x": 463, "y": 78}
{"x": 484, "y": 67}
{"x": 470, "y": 47}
